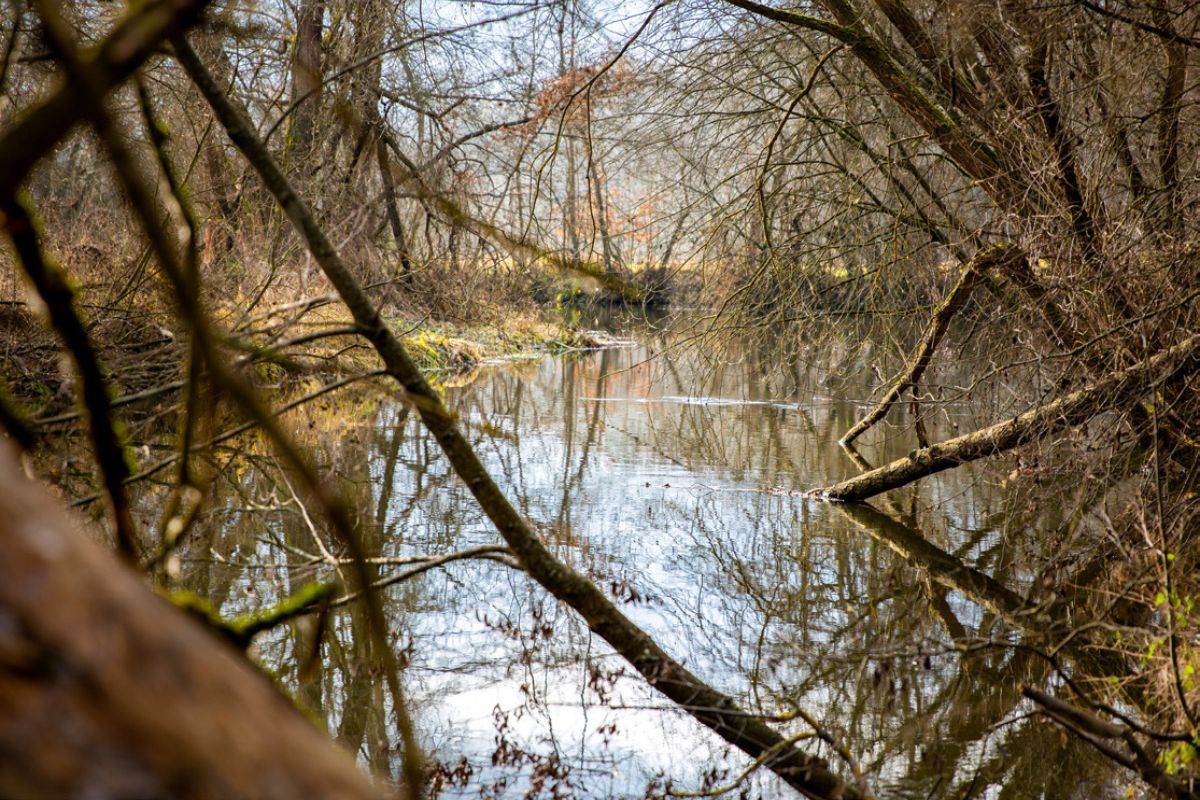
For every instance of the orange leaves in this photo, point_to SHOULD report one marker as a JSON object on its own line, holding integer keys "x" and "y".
{"x": 572, "y": 95}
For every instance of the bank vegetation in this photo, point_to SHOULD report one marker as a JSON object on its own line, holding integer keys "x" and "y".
{"x": 215, "y": 212}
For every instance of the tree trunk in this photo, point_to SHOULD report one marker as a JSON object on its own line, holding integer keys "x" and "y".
{"x": 306, "y": 83}
{"x": 369, "y": 37}
{"x": 612, "y": 258}
{"x": 109, "y": 691}
{"x": 1116, "y": 391}
{"x": 399, "y": 237}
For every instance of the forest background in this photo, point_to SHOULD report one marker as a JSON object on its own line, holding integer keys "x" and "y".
{"x": 209, "y": 204}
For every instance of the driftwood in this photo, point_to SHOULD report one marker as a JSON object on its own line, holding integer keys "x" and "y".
{"x": 808, "y": 774}
{"x": 1118, "y": 390}
{"x": 108, "y": 691}
{"x": 1002, "y": 256}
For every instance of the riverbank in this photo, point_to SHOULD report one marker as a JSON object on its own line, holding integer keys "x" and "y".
{"x": 446, "y": 351}
{"x": 286, "y": 341}
{"x": 447, "y": 347}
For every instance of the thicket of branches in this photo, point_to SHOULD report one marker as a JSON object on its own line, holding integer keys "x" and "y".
{"x": 181, "y": 184}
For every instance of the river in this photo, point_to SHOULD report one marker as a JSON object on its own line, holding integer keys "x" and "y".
{"x": 673, "y": 472}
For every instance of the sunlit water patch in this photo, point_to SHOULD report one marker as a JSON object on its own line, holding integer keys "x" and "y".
{"x": 677, "y": 482}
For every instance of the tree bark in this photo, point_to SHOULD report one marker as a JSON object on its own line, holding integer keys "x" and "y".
{"x": 108, "y": 691}
{"x": 306, "y": 81}
{"x": 1116, "y": 391}
{"x": 949, "y": 80}
{"x": 369, "y": 32}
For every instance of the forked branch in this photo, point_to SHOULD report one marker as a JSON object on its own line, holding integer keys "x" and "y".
{"x": 1117, "y": 391}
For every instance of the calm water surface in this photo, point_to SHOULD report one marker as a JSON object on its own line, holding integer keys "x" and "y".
{"x": 673, "y": 476}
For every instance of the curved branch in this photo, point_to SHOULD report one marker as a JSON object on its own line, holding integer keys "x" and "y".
{"x": 717, "y": 711}
{"x": 940, "y": 322}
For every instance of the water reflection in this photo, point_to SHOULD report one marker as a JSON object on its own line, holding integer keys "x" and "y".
{"x": 674, "y": 477}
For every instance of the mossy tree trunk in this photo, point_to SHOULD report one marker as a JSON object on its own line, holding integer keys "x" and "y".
{"x": 110, "y": 691}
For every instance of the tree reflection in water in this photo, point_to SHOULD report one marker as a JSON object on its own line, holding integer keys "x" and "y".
{"x": 677, "y": 482}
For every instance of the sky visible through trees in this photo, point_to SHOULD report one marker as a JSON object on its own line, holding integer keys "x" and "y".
{"x": 586, "y": 399}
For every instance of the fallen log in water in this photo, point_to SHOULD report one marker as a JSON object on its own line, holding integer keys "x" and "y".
{"x": 1116, "y": 391}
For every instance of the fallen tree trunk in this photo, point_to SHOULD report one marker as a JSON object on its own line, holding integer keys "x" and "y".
{"x": 808, "y": 774}
{"x": 108, "y": 691}
{"x": 998, "y": 255}
{"x": 1116, "y": 391}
